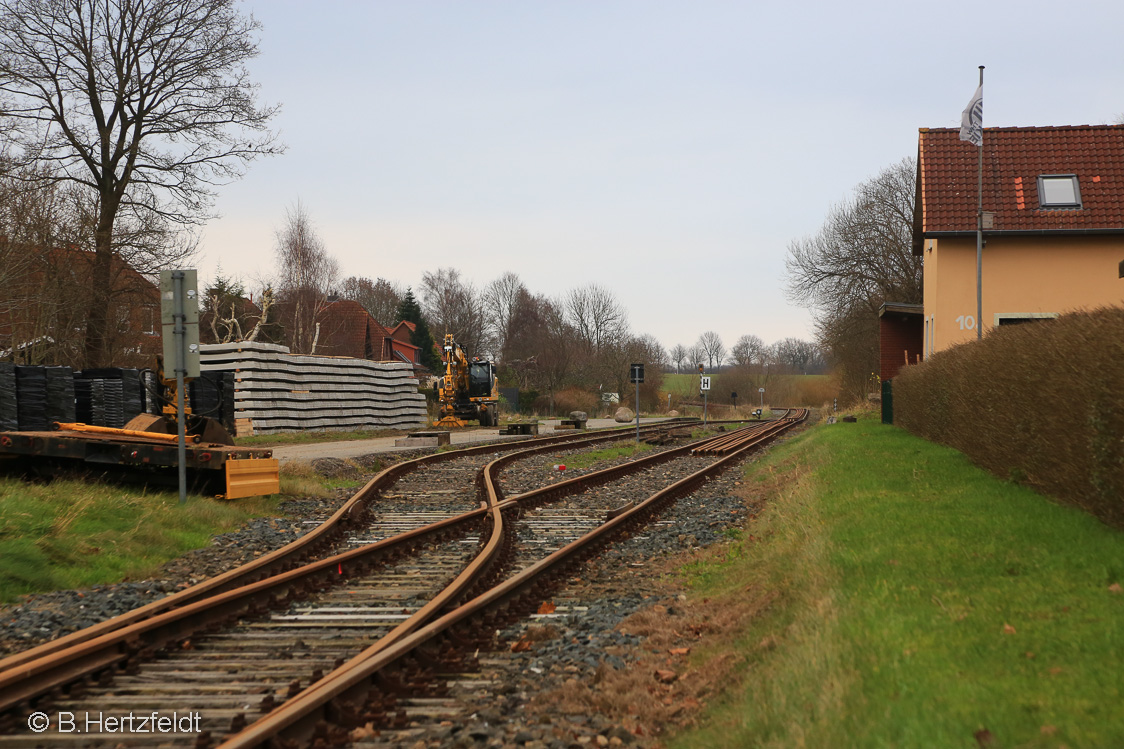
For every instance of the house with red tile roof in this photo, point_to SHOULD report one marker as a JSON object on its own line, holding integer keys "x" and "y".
{"x": 45, "y": 302}
{"x": 347, "y": 329}
{"x": 398, "y": 343}
{"x": 1053, "y": 207}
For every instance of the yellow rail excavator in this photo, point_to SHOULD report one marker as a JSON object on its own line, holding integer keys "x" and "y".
{"x": 468, "y": 390}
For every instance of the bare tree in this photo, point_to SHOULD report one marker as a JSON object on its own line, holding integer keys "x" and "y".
{"x": 795, "y": 355}
{"x": 502, "y": 298}
{"x": 144, "y": 103}
{"x": 29, "y": 215}
{"x": 710, "y": 344}
{"x": 379, "y": 297}
{"x": 307, "y": 276}
{"x": 861, "y": 257}
{"x": 45, "y": 279}
{"x": 679, "y": 354}
{"x": 749, "y": 349}
{"x": 554, "y": 361}
{"x": 596, "y": 316}
{"x": 599, "y": 324}
{"x": 452, "y": 305}
{"x": 227, "y": 314}
{"x": 696, "y": 356}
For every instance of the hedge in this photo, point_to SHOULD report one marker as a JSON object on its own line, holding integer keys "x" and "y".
{"x": 1040, "y": 403}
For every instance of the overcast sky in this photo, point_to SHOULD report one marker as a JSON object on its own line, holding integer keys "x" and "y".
{"x": 669, "y": 151}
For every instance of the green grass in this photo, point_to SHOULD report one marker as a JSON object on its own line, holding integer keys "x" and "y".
{"x": 616, "y": 452}
{"x": 682, "y": 384}
{"x": 73, "y": 534}
{"x": 919, "y": 602}
{"x": 300, "y": 438}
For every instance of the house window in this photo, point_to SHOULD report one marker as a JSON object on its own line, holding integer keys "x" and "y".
{"x": 1058, "y": 191}
{"x": 1018, "y": 318}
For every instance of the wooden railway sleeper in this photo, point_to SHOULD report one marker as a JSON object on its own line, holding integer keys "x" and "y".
{"x": 326, "y": 735}
{"x": 379, "y": 701}
{"x": 449, "y": 656}
{"x": 465, "y": 638}
{"x": 343, "y": 712}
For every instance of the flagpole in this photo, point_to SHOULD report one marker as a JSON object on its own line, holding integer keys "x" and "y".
{"x": 979, "y": 233}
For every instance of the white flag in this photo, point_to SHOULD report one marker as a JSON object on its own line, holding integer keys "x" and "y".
{"x": 971, "y": 121}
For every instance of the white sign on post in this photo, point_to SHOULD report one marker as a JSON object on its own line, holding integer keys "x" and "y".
{"x": 704, "y": 383}
{"x": 190, "y": 323}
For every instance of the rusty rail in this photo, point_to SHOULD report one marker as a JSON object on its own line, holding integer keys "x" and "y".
{"x": 246, "y": 589}
{"x": 338, "y": 693}
{"x": 725, "y": 443}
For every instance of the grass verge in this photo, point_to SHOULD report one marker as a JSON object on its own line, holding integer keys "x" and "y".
{"x": 594, "y": 457}
{"x": 915, "y": 600}
{"x": 301, "y": 438}
{"x": 74, "y": 534}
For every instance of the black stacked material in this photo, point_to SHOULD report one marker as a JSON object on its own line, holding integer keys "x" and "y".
{"x": 60, "y": 394}
{"x": 114, "y": 403}
{"x": 132, "y": 397}
{"x": 89, "y": 401}
{"x": 132, "y": 394}
{"x": 9, "y": 413}
{"x": 228, "y": 401}
{"x": 206, "y": 395}
{"x": 31, "y": 395}
{"x": 212, "y": 395}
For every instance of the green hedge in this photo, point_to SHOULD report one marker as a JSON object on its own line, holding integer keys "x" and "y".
{"x": 1039, "y": 403}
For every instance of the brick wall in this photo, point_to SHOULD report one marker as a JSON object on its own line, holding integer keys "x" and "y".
{"x": 899, "y": 335}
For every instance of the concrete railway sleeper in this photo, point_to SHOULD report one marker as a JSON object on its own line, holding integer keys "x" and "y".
{"x": 369, "y": 688}
{"x": 118, "y": 643}
{"x": 352, "y": 619}
{"x": 332, "y": 531}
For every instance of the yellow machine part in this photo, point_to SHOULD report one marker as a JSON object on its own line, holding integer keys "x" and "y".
{"x": 252, "y": 477}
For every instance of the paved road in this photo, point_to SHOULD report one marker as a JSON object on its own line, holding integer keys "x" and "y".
{"x": 353, "y": 448}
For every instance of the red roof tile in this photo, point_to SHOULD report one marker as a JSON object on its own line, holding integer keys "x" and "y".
{"x": 1013, "y": 160}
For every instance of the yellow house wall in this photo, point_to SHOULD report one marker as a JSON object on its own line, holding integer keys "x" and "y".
{"x": 1020, "y": 275}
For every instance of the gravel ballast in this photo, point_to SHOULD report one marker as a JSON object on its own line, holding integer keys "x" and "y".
{"x": 585, "y": 638}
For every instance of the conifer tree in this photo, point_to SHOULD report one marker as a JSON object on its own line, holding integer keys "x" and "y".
{"x": 410, "y": 311}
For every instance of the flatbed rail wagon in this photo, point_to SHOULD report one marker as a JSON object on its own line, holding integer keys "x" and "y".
{"x": 240, "y": 471}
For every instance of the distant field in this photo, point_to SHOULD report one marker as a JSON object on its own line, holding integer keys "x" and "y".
{"x": 796, "y": 390}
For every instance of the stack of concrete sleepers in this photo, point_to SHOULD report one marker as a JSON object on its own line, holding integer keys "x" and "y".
{"x": 281, "y": 392}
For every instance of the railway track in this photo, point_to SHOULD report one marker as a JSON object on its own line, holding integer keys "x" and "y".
{"x": 330, "y": 531}
{"x": 335, "y": 644}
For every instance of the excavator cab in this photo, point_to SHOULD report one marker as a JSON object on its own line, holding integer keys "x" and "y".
{"x": 481, "y": 379}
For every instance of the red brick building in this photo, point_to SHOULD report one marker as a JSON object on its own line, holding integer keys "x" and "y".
{"x": 347, "y": 329}
{"x": 901, "y": 337}
{"x": 43, "y": 310}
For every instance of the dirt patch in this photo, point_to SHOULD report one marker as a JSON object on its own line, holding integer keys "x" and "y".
{"x": 681, "y": 664}
{"x": 686, "y": 655}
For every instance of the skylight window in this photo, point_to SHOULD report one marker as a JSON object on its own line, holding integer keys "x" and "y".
{"x": 1058, "y": 191}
